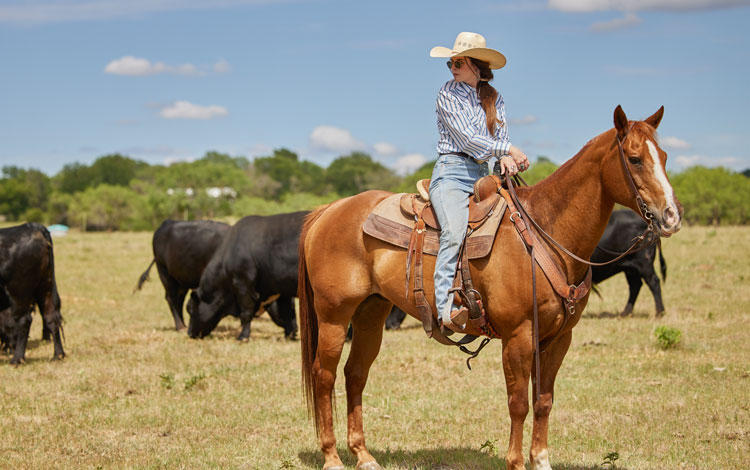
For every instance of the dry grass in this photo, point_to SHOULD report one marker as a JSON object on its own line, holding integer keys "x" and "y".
{"x": 133, "y": 393}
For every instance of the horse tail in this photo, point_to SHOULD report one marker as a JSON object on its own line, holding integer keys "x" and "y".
{"x": 308, "y": 320}
{"x": 662, "y": 262}
{"x": 144, "y": 276}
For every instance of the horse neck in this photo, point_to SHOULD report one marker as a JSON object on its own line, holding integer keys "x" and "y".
{"x": 571, "y": 204}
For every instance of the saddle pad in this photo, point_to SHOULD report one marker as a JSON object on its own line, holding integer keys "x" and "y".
{"x": 388, "y": 223}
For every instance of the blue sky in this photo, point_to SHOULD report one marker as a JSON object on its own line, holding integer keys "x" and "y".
{"x": 168, "y": 80}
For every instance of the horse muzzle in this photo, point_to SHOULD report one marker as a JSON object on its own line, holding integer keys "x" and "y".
{"x": 670, "y": 221}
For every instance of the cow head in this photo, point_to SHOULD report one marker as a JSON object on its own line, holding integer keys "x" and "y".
{"x": 205, "y": 309}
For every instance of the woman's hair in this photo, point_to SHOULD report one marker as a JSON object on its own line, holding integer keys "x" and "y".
{"x": 487, "y": 93}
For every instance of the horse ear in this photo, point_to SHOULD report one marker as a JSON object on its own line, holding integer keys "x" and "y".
{"x": 621, "y": 121}
{"x": 655, "y": 118}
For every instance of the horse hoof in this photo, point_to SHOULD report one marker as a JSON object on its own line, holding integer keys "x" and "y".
{"x": 58, "y": 357}
{"x": 243, "y": 340}
{"x": 337, "y": 467}
{"x": 369, "y": 466}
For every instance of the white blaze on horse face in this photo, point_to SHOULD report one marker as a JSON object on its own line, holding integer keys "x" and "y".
{"x": 661, "y": 177}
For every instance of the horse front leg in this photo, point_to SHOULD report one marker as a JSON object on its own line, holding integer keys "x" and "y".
{"x": 367, "y": 328}
{"x": 517, "y": 359}
{"x": 550, "y": 364}
{"x": 331, "y": 338}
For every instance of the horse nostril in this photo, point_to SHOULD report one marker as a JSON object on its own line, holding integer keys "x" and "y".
{"x": 670, "y": 217}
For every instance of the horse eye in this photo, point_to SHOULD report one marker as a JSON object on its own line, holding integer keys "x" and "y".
{"x": 635, "y": 161}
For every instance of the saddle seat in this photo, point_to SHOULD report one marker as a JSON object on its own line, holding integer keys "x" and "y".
{"x": 481, "y": 203}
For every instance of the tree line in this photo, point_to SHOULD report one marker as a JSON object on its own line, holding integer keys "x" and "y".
{"x": 117, "y": 192}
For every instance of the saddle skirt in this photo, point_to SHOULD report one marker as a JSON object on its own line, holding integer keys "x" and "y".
{"x": 391, "y": 222}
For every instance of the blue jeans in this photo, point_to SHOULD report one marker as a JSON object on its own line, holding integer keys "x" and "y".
{"x": 452, "y": 182}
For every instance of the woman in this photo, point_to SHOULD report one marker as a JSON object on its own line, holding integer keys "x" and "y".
{"x": 472, "y": 128}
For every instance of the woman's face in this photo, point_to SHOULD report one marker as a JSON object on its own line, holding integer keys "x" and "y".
{"x": 464, "y": 71}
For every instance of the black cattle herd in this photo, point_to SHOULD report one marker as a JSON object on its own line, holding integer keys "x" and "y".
{"x": 242, "y": 271}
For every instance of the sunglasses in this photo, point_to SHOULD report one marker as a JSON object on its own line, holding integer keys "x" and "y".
{"x": 457, "y": 64}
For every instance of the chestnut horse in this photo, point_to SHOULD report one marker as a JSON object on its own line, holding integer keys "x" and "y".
{"x": 347, "y": 276}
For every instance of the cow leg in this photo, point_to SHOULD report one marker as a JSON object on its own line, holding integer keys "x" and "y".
{"x": 22, "y": 328}
{"x": 518, "y": 354}
{"x": 49, "y": 307}
{"x": 652, "y": 281}
{"x": 287, "y": 316}
{"x": 550, "y": 362}
{"x": 248, "y": 303}
{"x": 367, "y": 326}
{"x": 46, "y": 332}
{"x": 635, "y": 283}
{"x": 175, "y": 295}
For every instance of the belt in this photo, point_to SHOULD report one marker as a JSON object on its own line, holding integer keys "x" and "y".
{"x": 460, "y": 154}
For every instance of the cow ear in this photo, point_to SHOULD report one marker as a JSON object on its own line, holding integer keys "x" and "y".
{"x": 655, "y": 118}
{"x": 621, "y": 122}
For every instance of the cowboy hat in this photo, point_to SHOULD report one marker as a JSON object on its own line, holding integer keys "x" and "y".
{"x": 471, "y": 45}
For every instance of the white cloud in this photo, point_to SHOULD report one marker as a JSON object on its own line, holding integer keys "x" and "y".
{"x": 640, "y": 5}
{"x": 674, "y": 143}
{"x": 57, "y": 11}
{"x": 704, "y": 160}
{"x": 136, "y": 66}
{"x": 187, "y": 110}
{"x": 385, "y": 149}
{"x": 524, "y": 121}
{"x": 409, "y": 163}
{"x": 630, "y": 19}
{"x": 222, "y": 66}
{"x": 334, "y": 139}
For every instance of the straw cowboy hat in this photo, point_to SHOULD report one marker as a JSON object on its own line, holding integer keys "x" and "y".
{"x": 471, "y": 45}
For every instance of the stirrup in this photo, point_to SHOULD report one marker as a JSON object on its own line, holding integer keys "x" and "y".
{"x": 457, "y": 322}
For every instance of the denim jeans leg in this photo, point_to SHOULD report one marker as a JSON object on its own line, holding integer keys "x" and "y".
{"x": 449, "y": 190}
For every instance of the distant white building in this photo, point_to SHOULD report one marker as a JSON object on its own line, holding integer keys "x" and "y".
{"x": 214, "y": 192}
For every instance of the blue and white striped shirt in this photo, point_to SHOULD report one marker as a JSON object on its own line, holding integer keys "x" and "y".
{"x": 462, "y": 123}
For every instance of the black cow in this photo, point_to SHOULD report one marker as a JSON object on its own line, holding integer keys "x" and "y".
{"x": 622, "y": 228}
{"x": 256, "y": 262}
{"x": 181, "y": 252}
{"x": 27, "y": 277}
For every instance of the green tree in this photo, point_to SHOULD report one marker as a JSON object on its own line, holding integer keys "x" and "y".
{"x": 114, "y": 169}
{"x": 107, "y": 207}
{"x": 713, "y": 195}
{"x": 542, "y": 168}
{"x": 292, "y": 175}
{"x": 357, "y": 172}
{"x": 22, "y": 190}
{"x": 73, "y": 177}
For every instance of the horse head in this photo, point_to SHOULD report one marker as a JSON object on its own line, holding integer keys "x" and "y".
{"x": 639, "y": 159}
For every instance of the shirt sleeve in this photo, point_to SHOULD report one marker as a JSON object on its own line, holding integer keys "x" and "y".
{"x": 465, "y": 129}
{"x": 502, "y": 144}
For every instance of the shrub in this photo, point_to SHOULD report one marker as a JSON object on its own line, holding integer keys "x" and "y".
{"x": 667, "y": 337}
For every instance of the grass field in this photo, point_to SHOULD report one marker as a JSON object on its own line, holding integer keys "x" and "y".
{"x": 133, "y": 393}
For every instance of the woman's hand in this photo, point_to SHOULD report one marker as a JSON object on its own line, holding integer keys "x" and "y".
{"x": 519, "y": 158}
{"x": 508, "y": 166}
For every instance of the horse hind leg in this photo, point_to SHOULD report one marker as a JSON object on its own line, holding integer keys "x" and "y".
{"x": 367, "y": 326}
{"x": 331, "y": 338}
{"x": 550, "y": 361}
